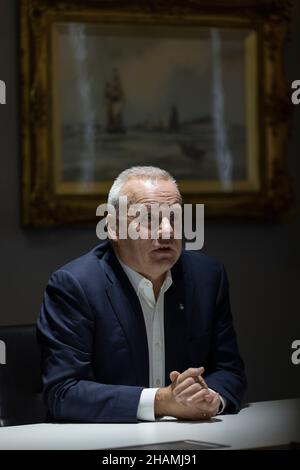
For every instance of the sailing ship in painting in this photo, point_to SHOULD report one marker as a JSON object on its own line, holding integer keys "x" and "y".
{"x": 170, "y": 141}
{"x": 114, "y": 102}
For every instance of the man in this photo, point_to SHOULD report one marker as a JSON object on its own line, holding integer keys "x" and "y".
{"x": 139, "y": 328}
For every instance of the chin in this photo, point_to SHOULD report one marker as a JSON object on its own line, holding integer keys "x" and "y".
{"x": 166, "y": 260}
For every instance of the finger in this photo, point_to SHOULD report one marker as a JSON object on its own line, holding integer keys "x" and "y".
{"x": 198, "y": 397}
{"x": 191, "y": 372}
{"x": 173, "y": 375}
{"x": 215, "y": 404}
{"x": 184, "y": 385}
{"x": 210, "y": 408}
{"x": 202, "y": 381}
{"x": 188, "y": 392}
{"x": 209, "y": 397}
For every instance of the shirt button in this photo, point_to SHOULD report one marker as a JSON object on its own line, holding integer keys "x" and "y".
{"x": 157, "y": 382}
{"x": 157, "y": 345}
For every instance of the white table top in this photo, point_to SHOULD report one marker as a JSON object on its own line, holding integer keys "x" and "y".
{"x": 260, "y": 424}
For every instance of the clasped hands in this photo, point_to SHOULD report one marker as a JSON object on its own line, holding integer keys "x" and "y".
{"x": 187, "y": 397}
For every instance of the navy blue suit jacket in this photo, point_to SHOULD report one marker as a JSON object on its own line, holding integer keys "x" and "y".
{"x": 93, "y": 338}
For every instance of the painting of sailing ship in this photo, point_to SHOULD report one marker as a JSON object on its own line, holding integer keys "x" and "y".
{"x": 152, "y": 100}
{"x": 113, "y": 95}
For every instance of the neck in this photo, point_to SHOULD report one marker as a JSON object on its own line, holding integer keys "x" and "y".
{"x": 157, "y": 281}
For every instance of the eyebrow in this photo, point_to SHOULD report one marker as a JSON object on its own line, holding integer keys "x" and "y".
{"x": 148, "y": 205}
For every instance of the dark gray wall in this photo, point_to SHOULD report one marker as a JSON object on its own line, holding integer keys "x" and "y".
{"x": 262, "y": 260}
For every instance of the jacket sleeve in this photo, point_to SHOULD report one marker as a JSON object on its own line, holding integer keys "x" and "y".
{"x": 65, "y": 331}
{"x": 225, "y": 373}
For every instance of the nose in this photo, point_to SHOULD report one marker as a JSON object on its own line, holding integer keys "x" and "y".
{"x": 165, "y": 229}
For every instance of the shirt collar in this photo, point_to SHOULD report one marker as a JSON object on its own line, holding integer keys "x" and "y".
{"x": 142, "y": 284}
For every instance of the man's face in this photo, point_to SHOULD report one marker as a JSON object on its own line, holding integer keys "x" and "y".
{"x": 151, "y": 257}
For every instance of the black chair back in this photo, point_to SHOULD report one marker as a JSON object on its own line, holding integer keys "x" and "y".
{"x": 21, "y": 399}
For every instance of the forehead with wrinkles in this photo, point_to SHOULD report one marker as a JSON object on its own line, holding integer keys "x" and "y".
{"x": 147, "y": 191}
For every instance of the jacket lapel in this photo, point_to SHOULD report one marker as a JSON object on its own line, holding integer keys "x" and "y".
{"x": 176, "y": 322}
{"x": 127, "y": 308}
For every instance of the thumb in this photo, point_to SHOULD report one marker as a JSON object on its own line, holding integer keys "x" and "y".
{"x": 173, "y": 375}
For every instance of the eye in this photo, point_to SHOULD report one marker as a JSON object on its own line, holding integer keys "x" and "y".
{"x": 146, "y": 219}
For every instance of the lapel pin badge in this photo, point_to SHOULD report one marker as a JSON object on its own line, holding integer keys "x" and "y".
{"x": 181, "y": 307}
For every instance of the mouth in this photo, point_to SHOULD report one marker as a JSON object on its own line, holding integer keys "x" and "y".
{"x": 163, "y": 249}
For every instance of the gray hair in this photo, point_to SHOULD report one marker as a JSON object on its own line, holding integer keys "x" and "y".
{"x": 151, "y": 173}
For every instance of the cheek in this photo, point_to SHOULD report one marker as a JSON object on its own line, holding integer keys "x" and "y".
{"x": 145, "y": 234}
{"x": 178, "y": 244}
{"x": 141, "y": 247}
{"x": 146, "y": 246}
{"x": 144, "y": 251}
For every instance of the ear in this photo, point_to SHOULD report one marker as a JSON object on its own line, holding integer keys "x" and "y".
{"x": 111, "y": 223}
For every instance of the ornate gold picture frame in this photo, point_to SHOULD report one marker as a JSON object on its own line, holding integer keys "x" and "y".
{"x": 195, "y": 87}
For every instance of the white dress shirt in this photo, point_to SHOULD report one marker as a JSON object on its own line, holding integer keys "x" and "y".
{"x": 153, "y": 311}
